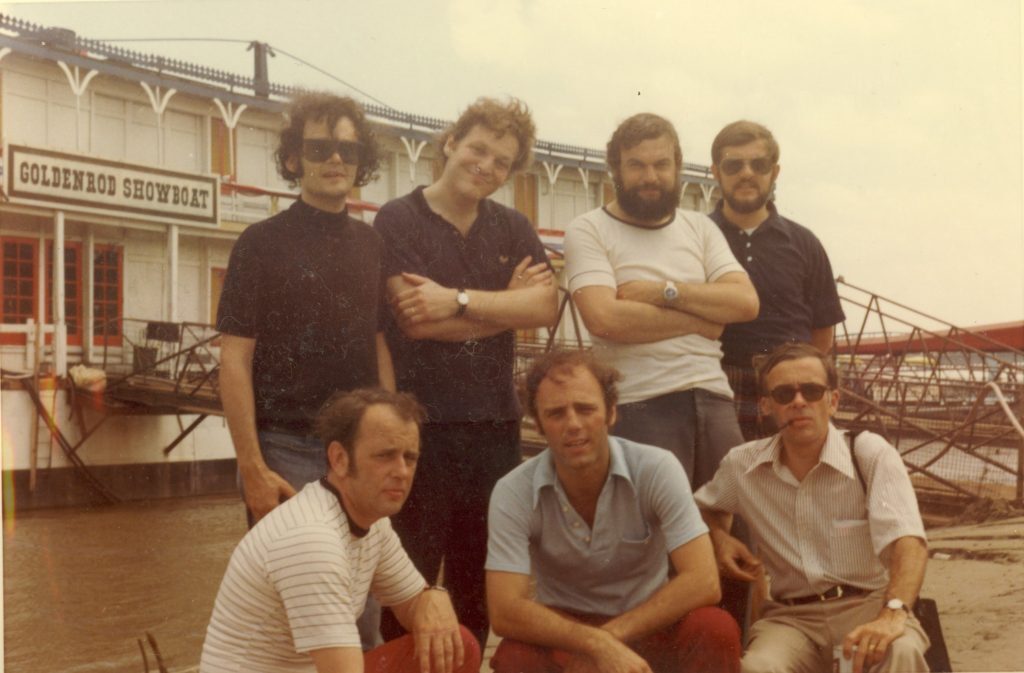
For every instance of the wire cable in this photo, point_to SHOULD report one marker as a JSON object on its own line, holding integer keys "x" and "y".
{"x": 273, "y": 49}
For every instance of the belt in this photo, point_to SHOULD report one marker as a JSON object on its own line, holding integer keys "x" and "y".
{"x": 838, "y": 591}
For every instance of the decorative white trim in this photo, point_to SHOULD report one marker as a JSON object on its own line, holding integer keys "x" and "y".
{"x": 4, "y": 52}
{"x": 413, "y": 149}
{"x": 552, "y": 172}
{"x": 230, "y": 115}
{"x": 78, "y": 85}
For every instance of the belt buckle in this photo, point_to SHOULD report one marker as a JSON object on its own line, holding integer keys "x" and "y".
{"x": 839, "y": 594}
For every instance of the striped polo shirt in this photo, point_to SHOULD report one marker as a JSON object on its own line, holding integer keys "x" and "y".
{"x": 297, "y": 582}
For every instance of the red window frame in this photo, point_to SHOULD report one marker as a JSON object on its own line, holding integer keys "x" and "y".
{"x": 20, "y": 276}
{"x": 108, "y": 294}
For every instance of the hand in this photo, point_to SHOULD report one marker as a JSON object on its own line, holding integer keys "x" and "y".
{"x": 734, "y": 559}
{"x": 525, "y": 275}
{"x": 873, "y": 639}
{"x": 425, "y": 301}
{"x": 612, "y": 656}
{"x": 264, "y": 492}
{"x": 435, "y": 630}
{"x": 644, "y": 291}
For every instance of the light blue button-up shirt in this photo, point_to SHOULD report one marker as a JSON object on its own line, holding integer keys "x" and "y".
{"x": 645, "y": 510}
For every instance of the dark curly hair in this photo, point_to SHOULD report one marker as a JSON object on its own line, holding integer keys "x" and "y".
{"x": 564, "y": 361}
{"x": 314, "y": 106}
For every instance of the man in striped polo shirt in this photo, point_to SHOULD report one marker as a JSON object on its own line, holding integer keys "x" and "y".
{"x": 299, "y": 579}
{"x": 837, "y": 529}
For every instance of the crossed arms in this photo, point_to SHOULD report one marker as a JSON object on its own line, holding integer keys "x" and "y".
{"x": 427, "y": 310}
{"x": 431, "y": 620}
{"x": 637, "y": 311}
{"x": 515, "y": 614}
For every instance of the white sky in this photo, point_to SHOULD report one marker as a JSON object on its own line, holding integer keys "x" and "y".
{"x": 900, "y": 121}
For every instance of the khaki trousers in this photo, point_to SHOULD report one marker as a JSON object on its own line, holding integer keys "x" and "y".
{"x": 800, "y": 638}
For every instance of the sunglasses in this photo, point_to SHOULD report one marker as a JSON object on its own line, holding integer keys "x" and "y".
{"x": 761, "y": 165}
{"x": 321, "y": 149}
{"x": 811, "y": 392}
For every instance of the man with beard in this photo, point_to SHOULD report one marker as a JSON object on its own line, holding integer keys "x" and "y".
{"x": 786, "y": 263}
{"x": 655, "y": 284}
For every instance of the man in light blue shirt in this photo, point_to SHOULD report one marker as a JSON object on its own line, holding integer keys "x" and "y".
{"x": 593, "y": 519}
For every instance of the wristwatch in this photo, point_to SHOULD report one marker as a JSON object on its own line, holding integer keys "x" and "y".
{"x": 462, "y": 299}
{"x": 670, "y": 293}
{"x": 897, "y": 604}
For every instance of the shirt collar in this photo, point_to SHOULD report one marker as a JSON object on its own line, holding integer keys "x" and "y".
{"x": 486, "y": 213}
{"x": 774, "y": 222}
{"x": 546, "y": 477}
{"x": 354, "y": 528}
{"x": 307, "y": 213}
{"x": 834, "y": 453}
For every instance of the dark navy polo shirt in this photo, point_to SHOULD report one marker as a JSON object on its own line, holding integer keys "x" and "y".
{"x": 792, "y": 275}
{"x": 464, "y": 381}
{"x": 306, "y": 285}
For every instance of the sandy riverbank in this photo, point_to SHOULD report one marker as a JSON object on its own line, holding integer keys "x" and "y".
{"x": 80, "y": 586}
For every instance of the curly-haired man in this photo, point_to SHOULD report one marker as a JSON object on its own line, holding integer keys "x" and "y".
{"x": 299, "y": 309}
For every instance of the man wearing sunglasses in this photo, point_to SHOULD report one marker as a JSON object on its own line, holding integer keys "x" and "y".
{"x": 654, "y": 285}
{"x": 463, "y": 273}
{"x": 844, "y": 559}
{"x": 786, "y": 263}
{"x": 300, "y": 306}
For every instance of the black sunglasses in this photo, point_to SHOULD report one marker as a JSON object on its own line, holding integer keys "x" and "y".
{"x": 761, "y": 165}
{"x": 321, "y": 149}
{"x": 811, "y": 392}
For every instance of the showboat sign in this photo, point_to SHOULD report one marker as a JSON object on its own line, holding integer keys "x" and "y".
{"x": 45, "y": 177}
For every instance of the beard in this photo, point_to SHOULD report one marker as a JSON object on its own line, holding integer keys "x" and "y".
{"x": 647, "y": 210}
{"x": 752, "y": 205}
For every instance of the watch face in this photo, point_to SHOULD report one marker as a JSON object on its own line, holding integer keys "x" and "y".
{"x": 895, "y": 604}
{"x": 462, "y": 298}
{"x": 671, "y": 292}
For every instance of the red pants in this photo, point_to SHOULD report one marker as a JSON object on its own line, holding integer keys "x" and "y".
{"x": 707, "y": 640}
{"x": 399, "y": 656}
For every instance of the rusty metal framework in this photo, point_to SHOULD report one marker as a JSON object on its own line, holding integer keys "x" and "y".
{"x": 949, "y": 399}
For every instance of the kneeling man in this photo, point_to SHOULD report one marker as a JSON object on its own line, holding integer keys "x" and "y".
{"x": 299, "y": 579}
{"x": 595, "y": 518}
{"x": 836, "y": 524}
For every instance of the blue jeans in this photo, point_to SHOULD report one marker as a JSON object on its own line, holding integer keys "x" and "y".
{"x": 300, "y": 459}
{"x": 698, "y": 426}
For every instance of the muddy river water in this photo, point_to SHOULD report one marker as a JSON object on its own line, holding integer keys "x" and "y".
{"x": 82, "y": 585}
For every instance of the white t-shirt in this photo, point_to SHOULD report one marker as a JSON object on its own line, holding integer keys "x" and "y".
{"x": 297, "y": 582}
{"x": 602, "y": 250}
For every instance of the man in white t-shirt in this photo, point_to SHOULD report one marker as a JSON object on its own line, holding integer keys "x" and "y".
{"x": 655, "y": 286}
{"x": 299, "y": 579}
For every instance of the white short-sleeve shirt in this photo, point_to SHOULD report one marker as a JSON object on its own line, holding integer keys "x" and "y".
{"x": 602, "y": 250}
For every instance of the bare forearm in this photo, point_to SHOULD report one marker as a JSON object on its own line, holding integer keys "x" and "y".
{"x": 629, "y": 322}
{"x": 531, "y": 622}
{"x": 385, "y": 366}
{"x": 718, "y": 302}
{"x": 821, "y": 338}
{"x": 695, "y": 585}
{"x": 534, "y": 306}
{"x": 907, "y": 562}
{"x": 239, "y": 402}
